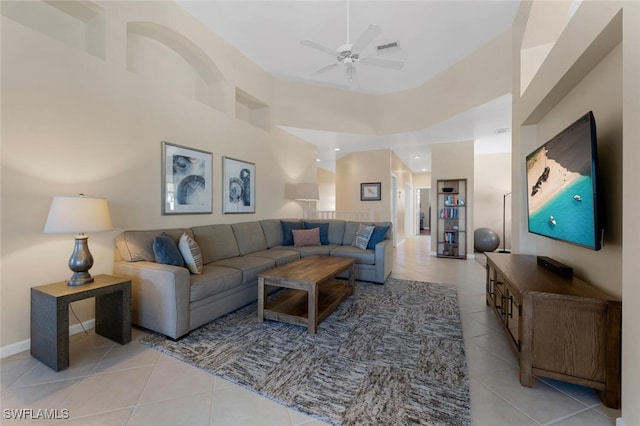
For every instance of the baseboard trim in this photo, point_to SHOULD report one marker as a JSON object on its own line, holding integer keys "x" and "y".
{"x": 620, "y": 422}
{"x": 25, "y": 345}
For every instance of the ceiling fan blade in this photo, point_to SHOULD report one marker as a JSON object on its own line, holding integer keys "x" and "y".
{"x": 319, "y": 47}
{"x": 366, "y": 37}
{"x": 385, "y": 63}
{"x": 324, "y": 68}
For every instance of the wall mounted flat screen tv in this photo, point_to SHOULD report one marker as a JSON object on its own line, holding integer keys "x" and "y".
{"x": 562, "y": 186}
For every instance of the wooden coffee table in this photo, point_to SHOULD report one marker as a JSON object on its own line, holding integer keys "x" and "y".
{"x": 313, "y": 292}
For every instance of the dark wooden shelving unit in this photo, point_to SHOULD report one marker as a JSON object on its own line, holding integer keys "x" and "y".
{"x": 452, "y": 218}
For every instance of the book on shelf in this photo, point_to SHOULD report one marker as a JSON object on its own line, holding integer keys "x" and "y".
{"x": 450, "y": 237}
{"x": 448, "y": 213}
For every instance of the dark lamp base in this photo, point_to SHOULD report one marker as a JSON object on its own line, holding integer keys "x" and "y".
{"x": 80, "y": 262}
{"x": 80, "y": 278}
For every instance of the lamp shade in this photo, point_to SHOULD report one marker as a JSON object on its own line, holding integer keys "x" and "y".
{"x": 307, "y": 192}
{"x": 79, "y": 214}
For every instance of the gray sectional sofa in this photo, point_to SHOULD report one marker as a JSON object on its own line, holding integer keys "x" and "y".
{"x": 172, "y": 301}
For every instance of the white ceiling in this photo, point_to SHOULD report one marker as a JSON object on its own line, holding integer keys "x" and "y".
{"x": 432, "y": 36}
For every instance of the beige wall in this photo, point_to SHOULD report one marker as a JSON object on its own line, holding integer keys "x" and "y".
{"x": 76, "y": 123}
{"x": 630, "y": 209}
{"x": 475, "y": 80}
{"x": 404, "y": 198}
{"x": 375, "y": 166}
{"x": 589, "y": 68}
{"x": 364, "y": 167}
{"x": 452, "y": 161}
{"x": 422, "y": 180}
{"x": 492, "y": 176}
{"x": 330, "y": 109}
{"x": 327, "y": 189}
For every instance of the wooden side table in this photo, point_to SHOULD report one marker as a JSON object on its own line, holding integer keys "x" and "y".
{"x": 50, "y": 316}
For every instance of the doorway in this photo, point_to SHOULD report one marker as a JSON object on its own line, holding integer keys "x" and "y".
{"x": 394, "y": 208}
{"x": 423, "y": 211}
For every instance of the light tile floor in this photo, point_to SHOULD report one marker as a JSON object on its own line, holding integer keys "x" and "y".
{"x": 110, "y": 384}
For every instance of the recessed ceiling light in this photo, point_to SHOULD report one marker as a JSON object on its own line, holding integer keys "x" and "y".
{"x": 417, "y": 157}
{"x": 317, "y": 159}
{"x": 336, "y": 149}
{"x": 424, "y": 170}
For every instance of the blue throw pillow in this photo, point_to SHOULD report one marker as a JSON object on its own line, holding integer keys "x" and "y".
{"x": 166, "y": 251}
{"x": 287, "y": 235}
{"x": 378, "y": 235}
{"x": 324, "y": 231}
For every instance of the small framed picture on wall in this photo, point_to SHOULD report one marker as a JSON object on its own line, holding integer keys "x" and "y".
{"x": 370, "y": 191}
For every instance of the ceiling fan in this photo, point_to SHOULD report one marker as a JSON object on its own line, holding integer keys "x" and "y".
{"x": 349, "y": 54}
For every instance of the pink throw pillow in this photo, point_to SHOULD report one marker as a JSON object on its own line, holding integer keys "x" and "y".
{"x": 306, "y": 237}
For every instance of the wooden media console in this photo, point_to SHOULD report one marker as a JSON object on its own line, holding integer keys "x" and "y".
{"x": 560, "y": 328}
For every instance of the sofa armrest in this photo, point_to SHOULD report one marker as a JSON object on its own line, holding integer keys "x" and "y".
{"x": 159, "y": 296}
{"x": 384, "y": 260}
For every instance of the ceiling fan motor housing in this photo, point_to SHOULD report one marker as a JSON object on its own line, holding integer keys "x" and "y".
{"x": 345, "y": 52}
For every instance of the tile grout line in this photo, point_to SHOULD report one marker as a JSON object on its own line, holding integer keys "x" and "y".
{"x": 509, "y": 403}
{"x": 559, "y": 419}
{"x": 146, "y": 385}
{"x": 10, "y": 385}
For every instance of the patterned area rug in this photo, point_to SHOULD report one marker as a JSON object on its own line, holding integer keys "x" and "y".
{"x": 389, "y": 355}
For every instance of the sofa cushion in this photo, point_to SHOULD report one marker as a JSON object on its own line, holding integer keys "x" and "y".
{"x": 250, "y": 266}
{"x": 272, "y": 229}
{"x": 350, "y": 229}
{"x": 287, "y": 227}
{"x": 190, "y": 251}
{"x": 363, "y": 257}
{"x": 166, "y": 251}
{"x": 314, "y": 250}
{"x": 213, "y": 280}
{"x": 324, "y": 230}
{"x": 216, "y": 242}
{"x": 136, "y": 246}
{"x": 249, "y": 236}
{"x": 306, "y": 237}
{"x": 378, "y": 235}
{"x": 361, "y": 239}
{"x": 336, "y": 230}
{"x": 279, "y": 255}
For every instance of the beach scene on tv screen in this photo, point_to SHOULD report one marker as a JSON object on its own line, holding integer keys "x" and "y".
{"x": 559, "y": 180}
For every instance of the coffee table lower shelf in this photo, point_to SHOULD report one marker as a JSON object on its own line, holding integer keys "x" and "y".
{"x": 293, "y": 307}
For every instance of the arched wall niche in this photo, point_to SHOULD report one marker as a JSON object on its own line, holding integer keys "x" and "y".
{"x": 77, "y": 23}
{"x": 172, "y": 60}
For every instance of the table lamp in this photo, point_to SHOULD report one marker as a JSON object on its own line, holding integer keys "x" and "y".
{"x": 307, "y": 192}
{"x": 78, "y": 214}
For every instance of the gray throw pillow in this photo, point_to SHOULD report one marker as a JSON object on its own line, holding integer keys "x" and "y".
{"x": 361, "y": 239}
